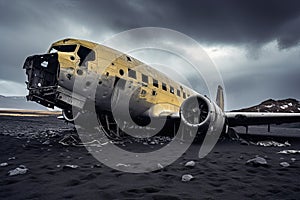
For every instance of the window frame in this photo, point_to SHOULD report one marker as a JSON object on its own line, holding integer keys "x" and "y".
{"x": 164, "y": 86}
{"x": 130, "y": 75}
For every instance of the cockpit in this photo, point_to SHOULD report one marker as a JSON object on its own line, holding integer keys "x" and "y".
{"x": 84, "y": 54}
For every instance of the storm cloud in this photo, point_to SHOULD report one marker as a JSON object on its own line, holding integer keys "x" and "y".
{"x": 250, "y": 72}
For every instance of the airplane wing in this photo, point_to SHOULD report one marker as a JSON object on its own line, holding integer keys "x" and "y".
{"x": 260, "y": 118}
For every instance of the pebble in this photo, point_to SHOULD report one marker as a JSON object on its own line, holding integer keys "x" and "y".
{"x": 3, "y": 164}
{"x": 284, "y": 164}
{"x": 190, "y": 164}
{"x": 19, "y": 170}
{"x": 70, "y": 166}
{"x": 258, "y": 161}
{"x": 187, "y": 178}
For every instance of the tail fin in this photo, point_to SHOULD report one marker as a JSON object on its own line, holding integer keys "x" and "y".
{"x": 220, "y": 98}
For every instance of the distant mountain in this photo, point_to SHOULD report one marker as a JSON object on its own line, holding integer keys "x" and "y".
{"x": 271, "y": 105}
{"x": 18, "y": 102}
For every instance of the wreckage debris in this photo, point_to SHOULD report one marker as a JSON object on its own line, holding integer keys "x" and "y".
{"x": 19, "y": 170}
{"x": 258, "y": 161}
{"x": 289, "y": 151}
{"x": 187, "y": 178}
{"x": 273, "y": 143}
{"x": 68, "y": 140}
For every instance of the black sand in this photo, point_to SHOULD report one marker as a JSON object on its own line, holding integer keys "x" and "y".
{"x": 223, "y": 174}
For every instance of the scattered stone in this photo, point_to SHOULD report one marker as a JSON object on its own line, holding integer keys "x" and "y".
{"x": 122, "y": 165}
{"x": 58, "y": 166}
{"x": 160, "y": 166}
{"x": 190, "y": 164}
{"x": 12, "y": 158}
{"x": 3, "y": 164}
{"x": 187, "y": 178}
{"x": 47, "y": 142}
{"x": 273, "y": 143}
{"x": 19, "y": 170}
{"x": 289, "y": 151}
{"x": 284, "y": 164}
{"x": 258, "y": 161}
{"x": 70, "y": 166}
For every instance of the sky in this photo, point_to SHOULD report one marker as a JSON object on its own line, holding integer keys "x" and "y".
{"x": 254, "y": 44}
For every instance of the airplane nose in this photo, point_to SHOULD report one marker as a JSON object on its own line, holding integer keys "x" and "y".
{"x": 42, "y": 70}
{"x": 42, "y": 74}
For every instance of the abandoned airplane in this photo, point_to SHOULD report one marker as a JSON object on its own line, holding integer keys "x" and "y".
{"x": 65, "y": 75}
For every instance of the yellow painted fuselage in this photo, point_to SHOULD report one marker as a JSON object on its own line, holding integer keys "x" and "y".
{"x": 155, "y": 89}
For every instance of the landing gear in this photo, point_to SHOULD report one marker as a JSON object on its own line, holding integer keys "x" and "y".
{"x": 110, "y": 127}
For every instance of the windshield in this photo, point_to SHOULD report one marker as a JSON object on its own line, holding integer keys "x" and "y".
{"x": 63, "y": 48}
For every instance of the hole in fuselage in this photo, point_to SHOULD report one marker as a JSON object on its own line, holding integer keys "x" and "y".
{"x": 79, "y": 72}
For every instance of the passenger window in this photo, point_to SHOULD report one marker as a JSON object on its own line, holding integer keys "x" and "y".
{"x": 171, "y": 89}
{"x": 154, "y": 93}
{"x": 183, "y": 94}
{"x": 144, "y": 78}
{"x": 132, "y": 73}
{"x": 178, "y": 93}
{"x": 85, "y": 55}
{"x": 155, "y": 83}
{"x": 164, "y": 86}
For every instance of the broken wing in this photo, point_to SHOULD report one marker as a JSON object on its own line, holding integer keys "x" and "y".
{"x": 259, "y": 118}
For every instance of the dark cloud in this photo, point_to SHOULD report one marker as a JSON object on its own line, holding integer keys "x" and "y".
{"x": 252, "y": 22}
{"x": 29, "y": 27}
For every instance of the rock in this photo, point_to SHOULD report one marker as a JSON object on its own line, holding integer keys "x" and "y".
{"x": 272, "y": 143}
{"x": 160, "y": 166}
{"x": 19, "y": 170}
{"x": 70, "y": 166}
{"x": 293, "y": 159}
{"x": 190, "y": 164}
{"x": 12, "y": 158}
{"x": 258, "y": 161}
{"x": 3, "y": 164}
{"x": 289, "y": 151}
{"x": 47, "y": 142}
{"x": 284, "y": 164}
{"x": 187, "y": 178}
{"x": 122, "y": 165}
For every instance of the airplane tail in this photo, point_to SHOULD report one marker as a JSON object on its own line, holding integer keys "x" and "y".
{"x": 220, "y": 98}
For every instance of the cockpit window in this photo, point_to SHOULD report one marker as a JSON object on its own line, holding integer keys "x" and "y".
{"x": 85, "y": 55}
{"x": 63, "y": 48}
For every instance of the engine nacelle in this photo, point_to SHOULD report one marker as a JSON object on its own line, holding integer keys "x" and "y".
{"x": 200, "y": 111}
